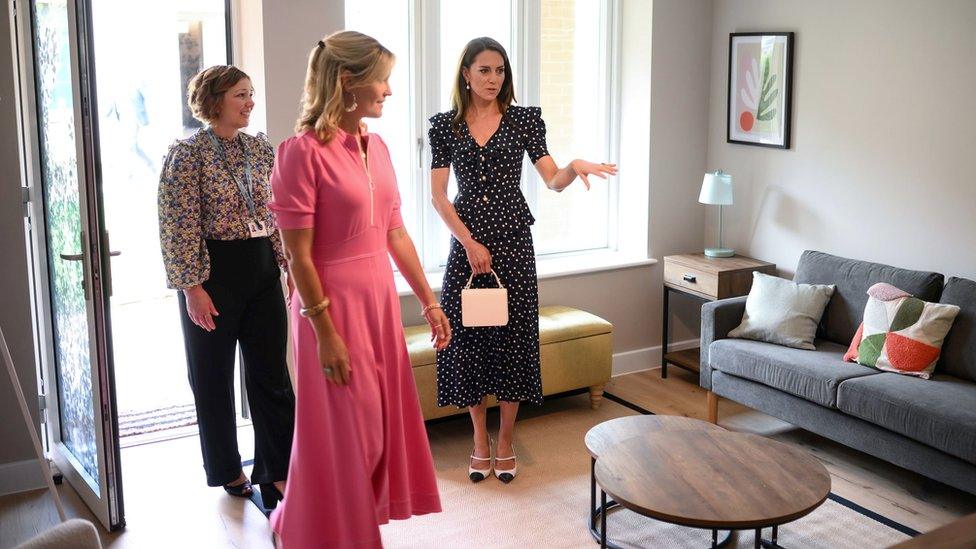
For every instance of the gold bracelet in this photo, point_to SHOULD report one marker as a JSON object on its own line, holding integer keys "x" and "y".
{"x": 428, "y": 308}
{"x": 315, "y": 309}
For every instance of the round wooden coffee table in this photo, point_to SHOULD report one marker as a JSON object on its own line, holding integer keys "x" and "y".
{"x": 712, "y": 479}
{"x": 612, "y": 432}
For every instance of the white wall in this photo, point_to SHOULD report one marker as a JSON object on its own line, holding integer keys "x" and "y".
{"x": 884, "y": 124}
{"x": 680, "y": 55}
{"x": 290, "y": 30}
{"x": 15, "y": 314}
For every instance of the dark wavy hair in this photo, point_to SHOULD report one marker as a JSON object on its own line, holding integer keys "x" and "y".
{"x": 461, "y": 97}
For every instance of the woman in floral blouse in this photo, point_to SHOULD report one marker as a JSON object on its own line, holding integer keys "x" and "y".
{"x": 223, "y": 254}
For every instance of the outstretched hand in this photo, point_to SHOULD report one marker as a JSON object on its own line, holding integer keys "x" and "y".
{"x": 585, "y": 169}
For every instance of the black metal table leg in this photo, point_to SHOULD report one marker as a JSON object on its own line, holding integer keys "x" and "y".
{"x": 592, "y": 510}
{"x": 664, "y": 336}
{"x": 714, "y": 539}
{"x": 600, "y": 512}
{"x": 758, "y": 538}
{"x": 773, "y": 541}
{"x": 603, "y": 519}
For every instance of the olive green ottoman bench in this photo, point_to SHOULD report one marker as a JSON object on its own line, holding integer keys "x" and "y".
{"x": 576, "y": 351}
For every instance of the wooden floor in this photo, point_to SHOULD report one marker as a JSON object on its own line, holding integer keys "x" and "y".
{"x": 167, "y": 504}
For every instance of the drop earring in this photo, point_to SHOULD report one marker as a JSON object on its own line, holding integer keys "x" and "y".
{"x": 467, "y": 85}
{"x": 354, "y": 105}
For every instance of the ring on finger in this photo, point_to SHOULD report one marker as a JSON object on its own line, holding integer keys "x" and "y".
{"x": 328, "y": 371}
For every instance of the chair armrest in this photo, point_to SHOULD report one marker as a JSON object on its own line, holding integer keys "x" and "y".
{"x": 718, "y": 318}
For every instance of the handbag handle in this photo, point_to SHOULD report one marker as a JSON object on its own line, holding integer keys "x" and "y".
{"x": 471, "y": 278}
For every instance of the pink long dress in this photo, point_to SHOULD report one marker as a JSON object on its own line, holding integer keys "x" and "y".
{"x": 360, "y": 455}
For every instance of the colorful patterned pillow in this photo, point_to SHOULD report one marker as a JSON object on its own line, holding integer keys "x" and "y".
{"x": 900, "y": 333}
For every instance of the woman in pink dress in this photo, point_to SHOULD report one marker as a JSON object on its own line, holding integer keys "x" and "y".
{"x": 360, "y": 455}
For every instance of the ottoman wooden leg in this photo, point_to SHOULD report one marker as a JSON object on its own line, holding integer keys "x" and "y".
{"x": 596, "y": 396}
{"x": 712, "y": 407}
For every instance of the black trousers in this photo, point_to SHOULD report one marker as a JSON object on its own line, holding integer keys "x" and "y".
{"x": 245, "y": 288}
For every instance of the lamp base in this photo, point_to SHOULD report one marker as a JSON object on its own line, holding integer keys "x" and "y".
{"x": 719, "y": 252}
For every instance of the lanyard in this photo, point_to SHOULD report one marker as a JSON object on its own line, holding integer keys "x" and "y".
{"x": 246, "y": 187}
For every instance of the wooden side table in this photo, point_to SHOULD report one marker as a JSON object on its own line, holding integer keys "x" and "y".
{"x": 707, "y": 279}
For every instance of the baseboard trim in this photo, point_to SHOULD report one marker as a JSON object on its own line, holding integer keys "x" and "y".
{"x": 20, "y": 476}
{"x": 647, "y": 358}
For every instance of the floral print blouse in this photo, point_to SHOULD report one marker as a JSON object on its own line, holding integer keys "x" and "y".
{"x": 199, "y": 201}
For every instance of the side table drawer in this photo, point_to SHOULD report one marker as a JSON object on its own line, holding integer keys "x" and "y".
{"x": 691, "y": 278}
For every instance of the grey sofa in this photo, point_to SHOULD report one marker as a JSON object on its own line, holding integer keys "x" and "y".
{"x": 927, "y": 426}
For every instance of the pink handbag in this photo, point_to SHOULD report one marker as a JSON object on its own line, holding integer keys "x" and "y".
{"x": 484, "y": 306}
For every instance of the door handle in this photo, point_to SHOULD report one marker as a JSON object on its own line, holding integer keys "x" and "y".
{"x": 108, "y": 266}
{"x": 84, "y": 264}
{"x": 690, "y": 278}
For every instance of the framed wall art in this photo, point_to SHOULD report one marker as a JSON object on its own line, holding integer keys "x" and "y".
{"x": 760, "y": 88}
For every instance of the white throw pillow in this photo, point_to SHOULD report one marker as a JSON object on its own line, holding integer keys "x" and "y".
{"x": 783, "y": 312}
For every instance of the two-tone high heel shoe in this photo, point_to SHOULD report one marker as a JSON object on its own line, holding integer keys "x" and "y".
{"x": 506, "y": 475}
{"x": 478, "y": 475}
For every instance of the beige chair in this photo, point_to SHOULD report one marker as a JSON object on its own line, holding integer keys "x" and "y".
{"x": 576, "y": 352}
{"x": 71, "y": 534}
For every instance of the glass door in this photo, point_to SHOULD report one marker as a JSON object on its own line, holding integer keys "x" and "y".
{"x": 71, "y": 263}
{"x": 142, "y": 111}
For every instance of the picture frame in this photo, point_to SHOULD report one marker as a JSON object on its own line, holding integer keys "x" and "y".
{"x": 760, "y": 89}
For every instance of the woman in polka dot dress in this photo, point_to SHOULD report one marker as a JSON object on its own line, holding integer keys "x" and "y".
{"x": 484, "y": 138}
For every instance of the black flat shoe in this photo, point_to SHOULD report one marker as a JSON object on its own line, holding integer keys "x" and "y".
{"x": 270, "y": 496}
{"x": 242, "y": 490}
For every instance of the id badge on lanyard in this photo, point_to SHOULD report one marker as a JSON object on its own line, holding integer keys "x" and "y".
{"x": 255, "y": 227}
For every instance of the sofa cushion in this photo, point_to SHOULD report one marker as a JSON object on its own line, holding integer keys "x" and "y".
{"x": 959, "y": 347}
{"x": 940, "y": 412}
{"x": 783, "y": 312}
{"x": 811, "y": 375}
{"x": 901, "y": 333}
{"x": 852, "y": 279}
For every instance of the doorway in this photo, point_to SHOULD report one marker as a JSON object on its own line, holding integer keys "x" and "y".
{"x": 103, "y": 97}
{"x": 142, "y": 110}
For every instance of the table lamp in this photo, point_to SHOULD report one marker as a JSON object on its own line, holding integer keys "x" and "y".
{"x": 717, "y": 189}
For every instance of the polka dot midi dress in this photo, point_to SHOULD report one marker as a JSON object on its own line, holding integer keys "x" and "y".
{"x": 499, "y": 360}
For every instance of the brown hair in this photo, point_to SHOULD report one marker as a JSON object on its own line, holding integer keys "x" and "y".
{"x": 362, "y": 59}
{"x": 461, "y": 97}
{"x": 207, "y": 89}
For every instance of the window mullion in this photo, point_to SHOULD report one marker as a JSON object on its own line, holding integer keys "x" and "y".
{"x": 610, "y": 30}
{"x": 428, "y": 78}
{"x": 528, "y": 42}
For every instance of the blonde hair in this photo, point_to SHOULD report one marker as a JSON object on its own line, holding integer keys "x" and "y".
{"x": 362, "y": 59}
{"x": 207, "y": 89}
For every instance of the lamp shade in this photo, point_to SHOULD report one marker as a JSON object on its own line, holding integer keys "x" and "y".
{"x": 716, "y": 189}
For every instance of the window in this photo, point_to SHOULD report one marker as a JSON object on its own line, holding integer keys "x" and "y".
{"x": 562, "y": 56}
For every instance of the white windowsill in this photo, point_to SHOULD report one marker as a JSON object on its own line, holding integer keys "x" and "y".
{"x": 552, "y": 267}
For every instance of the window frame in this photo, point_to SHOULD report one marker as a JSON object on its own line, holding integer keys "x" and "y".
{"x": 427, "y": 99}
